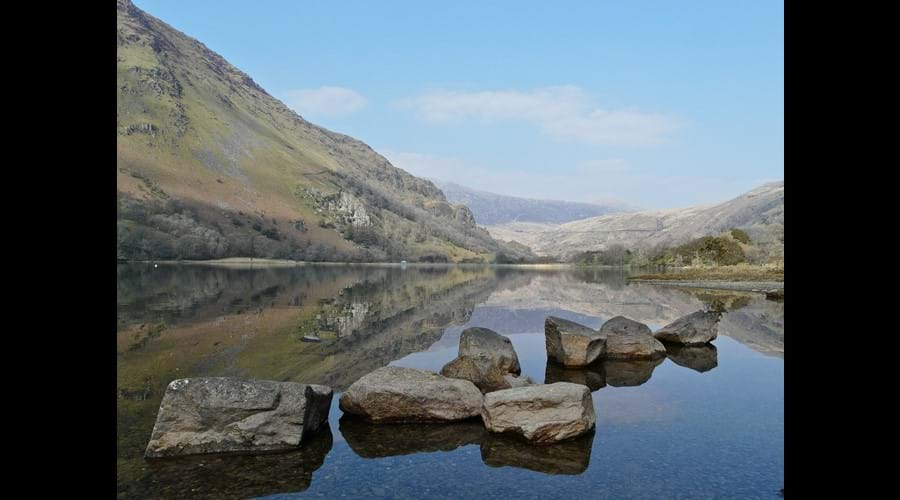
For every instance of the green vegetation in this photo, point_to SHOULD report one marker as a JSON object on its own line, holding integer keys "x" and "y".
{"x": 251, "y": 178}
{"x": 731, "y": 256}
{"x": 740, "y": 272}
{"x": 615, "y": 255}
{"x": 741, "y": 236}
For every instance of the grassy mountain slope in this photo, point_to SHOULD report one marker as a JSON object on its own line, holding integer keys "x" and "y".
{"x": 209, "y": 165}
{"x": 759, "y": 212}
{"x": 491, "y": 208}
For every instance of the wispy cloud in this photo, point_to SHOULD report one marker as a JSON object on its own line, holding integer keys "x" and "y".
{"x": 565, "y": 112}
{"x": 325, "y": 101}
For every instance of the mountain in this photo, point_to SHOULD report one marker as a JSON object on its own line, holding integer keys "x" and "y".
{"x": 209, "y": 165}
{"x": 759, "y": 212}
{"x": 492, "y": 209}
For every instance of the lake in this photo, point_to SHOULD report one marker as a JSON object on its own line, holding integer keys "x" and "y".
{"x": 702, "y": 423}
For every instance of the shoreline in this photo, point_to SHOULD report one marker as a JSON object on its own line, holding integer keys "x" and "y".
{"x": 245, "y": 261}
{"x": 739, "y": 286}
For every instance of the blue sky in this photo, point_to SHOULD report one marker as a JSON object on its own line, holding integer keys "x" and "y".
{"x": 657, "y": 104}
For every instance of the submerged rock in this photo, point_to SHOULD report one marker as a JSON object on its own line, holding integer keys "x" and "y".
{"x": 568, "y": 457}
{"x": 697, "y": 328}
{"x": 629, "y": 372}
{"x": 222, "y": 414}
{"x": 370, "y": 440}
{"x": 629, "y": 339}
{"x": 699, "y": 358}
{"x": 571, "y": 344}
{"x": 540, "y": 413}
{"x": 396, "y": 394}
{"x": 592, "y": 376}
{"x": 487, "y": 359}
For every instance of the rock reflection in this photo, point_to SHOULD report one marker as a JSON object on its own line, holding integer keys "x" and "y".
{"x": 592, "y": 376}
{"x": 388, "y": 440}
{"x": 629, "y": 373}
{"x": 237, "y": 476}
{"x": 567, "y": 457}
{"x": 699, "y": 358}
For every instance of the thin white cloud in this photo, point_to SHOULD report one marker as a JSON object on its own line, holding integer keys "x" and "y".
{"x": 325, "y": 101}
{"x": 565, "y": 112}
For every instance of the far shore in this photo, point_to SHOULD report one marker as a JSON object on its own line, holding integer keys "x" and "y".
{"x": 246, "y": 261}
{"x": 738, "y": 286}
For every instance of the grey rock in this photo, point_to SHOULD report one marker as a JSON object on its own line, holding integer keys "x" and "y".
{"x": 571, "y": 344}
{"x": 698, "y": 358}
{"x": 697, "y": 328}
{"x": 487, "y": 359}
{"x": 540, "y": 413}
{"x": 629, "y": 339}
{"x": 221, "y": 414}
{"x": 406, "y": 395}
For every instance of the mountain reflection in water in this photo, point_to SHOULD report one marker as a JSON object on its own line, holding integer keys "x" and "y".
{"x": 179, "y": 321}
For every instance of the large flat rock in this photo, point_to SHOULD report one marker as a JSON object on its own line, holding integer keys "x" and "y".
{"x": 396, "y": 395}
{"x": 540, "y": 413}
{"x": 223, "y": 415}
{"x": 697, "y": 328}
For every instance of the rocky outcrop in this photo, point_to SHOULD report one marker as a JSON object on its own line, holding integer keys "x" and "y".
{"x": 540, "y": 413}
{"x": 396, "y": 395}
{"x": 487, "y": 359}
{"x": 698, "y": 358}
{"x": 628, "y": 339}
{"x": 697, "y": 328}
{"x": 221, "y": 414}
{"x": 571, "y": 344}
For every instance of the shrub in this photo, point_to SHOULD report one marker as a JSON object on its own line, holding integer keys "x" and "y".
{"x": 741, "y": 236}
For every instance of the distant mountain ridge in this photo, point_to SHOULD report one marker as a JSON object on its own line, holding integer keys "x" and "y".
{"x": 491, "y": 208}
{"x": 760, "y": 212}
{"x": 209, "y": 165}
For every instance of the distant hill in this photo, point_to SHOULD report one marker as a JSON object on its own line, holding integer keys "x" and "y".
{"x": 759, "y": 212}
{"x": 490, "y": 208}
{"x": 209, "y": 165}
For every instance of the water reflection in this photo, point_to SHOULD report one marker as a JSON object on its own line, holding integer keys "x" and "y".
{"x": 567, "y": 457}
{"x": 591, "y": 376}
{"x": 699, "y": 358}
{"x": 629, "y": 373}
{"x": 370, "y": 440}
{"x": 238, "y": 476}
{"x": 182, "y": 321}
{"x": 379, "y": 440}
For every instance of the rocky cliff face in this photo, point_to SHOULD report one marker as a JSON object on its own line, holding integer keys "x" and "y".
{"x": 210, "y": 165}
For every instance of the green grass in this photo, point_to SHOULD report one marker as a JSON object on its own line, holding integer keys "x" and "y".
{"x": 740, "y": 272}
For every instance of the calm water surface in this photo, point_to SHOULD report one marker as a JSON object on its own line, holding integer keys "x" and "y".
{"x": 703, "y": 423}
